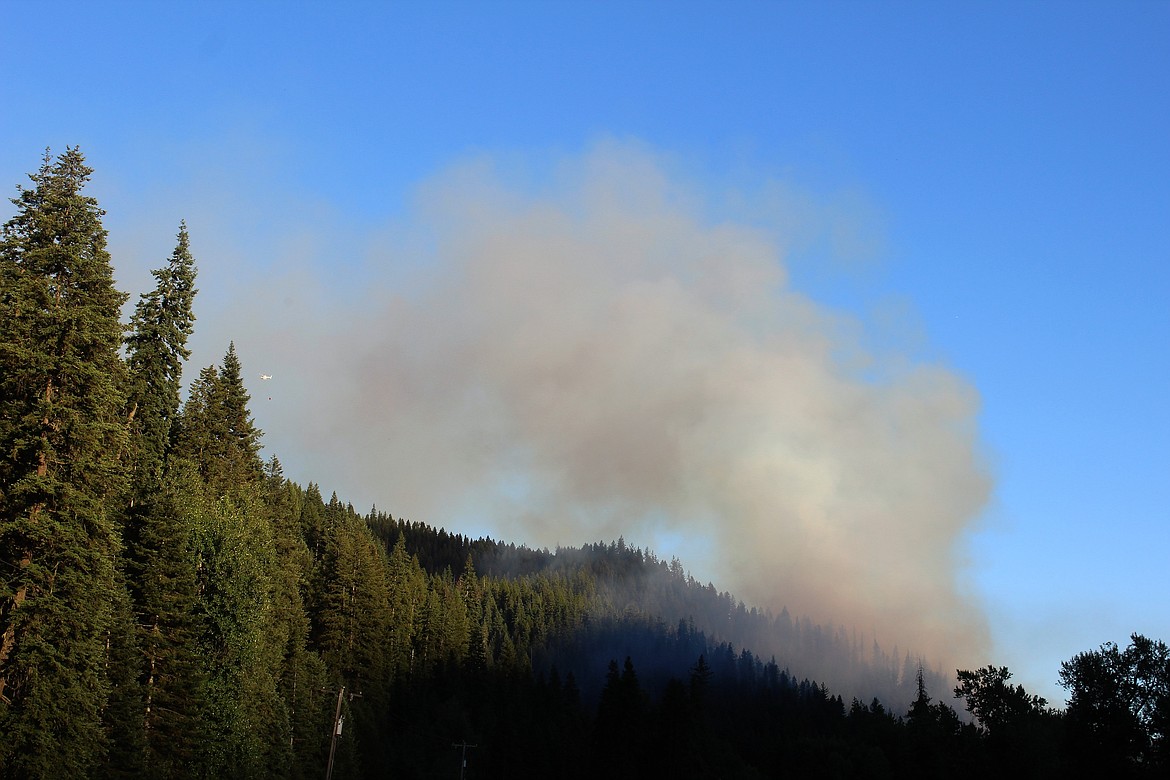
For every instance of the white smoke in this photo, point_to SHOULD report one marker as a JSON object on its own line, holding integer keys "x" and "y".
{"x": 597, "y": 358}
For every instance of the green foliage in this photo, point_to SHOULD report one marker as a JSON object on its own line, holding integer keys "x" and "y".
{"x": 241, "y": 439}
{"x": 215, "y": 429}
{"x": 407, "y": 593}
{"x": 123, "y": 714}
{"x": 157, "y": 532}
{"x": 156, "y": 349}
{"x": 303, "y": 675}
{"x": 172, "y": 670}
{"x": 60, "y": 476}
{"x": 245, "y": 718}
{"x": 351, "y": 613}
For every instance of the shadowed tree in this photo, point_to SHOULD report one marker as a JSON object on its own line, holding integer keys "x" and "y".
{"x": 124, "y": 709}
{"x": 938, "y": 739}
{"x": 995, "y": 703}
{"x": 302, "y": 675}
{"x": 619, "y": 748}
{"x": 159, "y": 555}
{"x": 1019, "y": 730}
{"x": 173, "y": 672}
{"x": 61, "y": 438}
{"x": 1119, "y": 708}
{"x": 351, "y": 626}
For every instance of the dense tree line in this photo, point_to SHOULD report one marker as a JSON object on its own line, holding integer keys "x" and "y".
{"x": 172, "y": 607}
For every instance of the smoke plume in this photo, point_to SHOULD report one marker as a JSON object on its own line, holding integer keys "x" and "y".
{"x": 595, "y": 357}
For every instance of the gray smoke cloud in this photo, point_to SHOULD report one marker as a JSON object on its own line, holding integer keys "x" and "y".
{"x": 592, "y": 357}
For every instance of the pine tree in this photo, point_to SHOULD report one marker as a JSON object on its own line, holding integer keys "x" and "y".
{"x": 246, "y": 722}
{"x": 242, "y": 462}
{"x": 195, "y": 429}
{"x": 172, "y": 671}
{"x": 155, "y": 352}
{"x": 159, "y": 555}
{"x": 302, "y": 673}
{"x": 216, "y": 431}
{"x": 61, "y": 437}
{"x": 123, "y": 715}
{"x": 407, "y": 596}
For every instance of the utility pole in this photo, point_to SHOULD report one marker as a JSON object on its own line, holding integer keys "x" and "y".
{"x": 464, "y": 745}
{"x": 338, "y": 719}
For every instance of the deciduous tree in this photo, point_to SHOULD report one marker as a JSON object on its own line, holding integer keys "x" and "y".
{"x": 1119, "y": 706}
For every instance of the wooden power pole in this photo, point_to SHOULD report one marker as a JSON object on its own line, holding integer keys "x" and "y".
{"x": 338, "y": 719}
{"x": 463, "y": 764}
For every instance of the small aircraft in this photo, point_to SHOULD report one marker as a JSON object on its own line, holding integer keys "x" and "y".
{"x": 266, "y": 377}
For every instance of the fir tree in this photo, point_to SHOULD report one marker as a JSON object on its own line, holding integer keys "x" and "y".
{"x": 61, "y": 436}
{"x": 313, "y": 520}
{"x": 159, "y": 554}
{"x": 155, "y": 352}
{"x": 172, "y": 671}
{"x": 244, "y": 715}
{"x": 302, "y": 673}
{"x": 352, "y": 614}
{"x": 216, "y": 430}
{"x": 407, "y": 596}
{"x": 123, "y": 715}
{"x": 240, "y": 593}
{"x": 195, "y": 434}
{"x": 241, "y": 437}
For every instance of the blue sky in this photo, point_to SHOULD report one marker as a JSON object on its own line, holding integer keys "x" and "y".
{"x": 993, "y": 177}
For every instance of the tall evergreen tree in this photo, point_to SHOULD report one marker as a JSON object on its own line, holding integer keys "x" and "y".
{"x": 172, "y": 672}
{"x": 159, "y": 555}
{"x": 407, "y": 597}
{"x": 216, "y": 429}
{"x": 194, "y": 432}
{"x": 155, "y": 352}
{"x": 61, "y": 437}
{"x": 352, "y": 612}
{"x": 241, "y": 597}
{"x": 302, "y": 673}
{"x": 313, "y": 520}
{"x": 244, "y": 715}
{"x": 123, "y": 714}
{"x": 241, "y": 437}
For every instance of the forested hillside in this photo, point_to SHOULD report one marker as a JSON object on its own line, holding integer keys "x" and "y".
{"x": 172, "y": 606}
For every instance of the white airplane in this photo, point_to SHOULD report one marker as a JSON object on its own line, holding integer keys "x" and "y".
{"x": 266, "y": 376}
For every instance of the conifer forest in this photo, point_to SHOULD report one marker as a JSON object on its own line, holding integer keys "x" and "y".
{"x": 171, "y": 606}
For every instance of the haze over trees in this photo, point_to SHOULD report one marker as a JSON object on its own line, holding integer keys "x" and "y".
{"x": 172, "y": 606}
